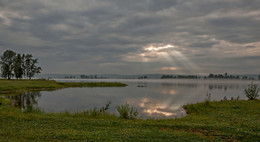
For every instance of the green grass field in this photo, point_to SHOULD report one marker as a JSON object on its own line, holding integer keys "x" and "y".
{"x": 236, "y": 120}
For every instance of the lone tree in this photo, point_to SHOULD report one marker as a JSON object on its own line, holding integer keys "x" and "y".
{"x": 18, "y": 71}
{"x": 7, "y": 63}
{"x": 30, "y": 68}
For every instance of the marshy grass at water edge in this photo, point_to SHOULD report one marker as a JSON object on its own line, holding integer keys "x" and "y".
{"x": 22, "y": 85}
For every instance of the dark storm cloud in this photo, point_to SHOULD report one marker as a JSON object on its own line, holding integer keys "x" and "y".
{"x": 88, "y": 36}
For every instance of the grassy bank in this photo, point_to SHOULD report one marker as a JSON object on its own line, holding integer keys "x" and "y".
{"x": 11, "y": 86}
{"x": 214, "y": 121}
{"x": 210, "y": 121}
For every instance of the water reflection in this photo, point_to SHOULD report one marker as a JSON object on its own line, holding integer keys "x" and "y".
{"x": 213, "y": 86}
{"x": 168, "y": 91}
{"x": 189, "y": 85}
{"x": 142, "y": 84}
{"x": 25, "y": 100}
{"x": 152, "y": 98}
{"x": 160, "y": 110}
{"x": 224, "y": 87}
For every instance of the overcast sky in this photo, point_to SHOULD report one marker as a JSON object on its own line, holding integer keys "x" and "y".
{"x": 134, "y": 36}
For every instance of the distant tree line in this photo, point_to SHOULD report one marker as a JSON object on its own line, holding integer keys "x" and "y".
{"x": 226, "y": 76}
{"x": 250, "y": 78}
{"x": 70, "y": 76}
{"x": 223, "y": 76}
{"x": 180, "y": 76}
{"x": 18, "y": 66}
{"x": 142, "y": 77}
{"x": 211, "y": 76}
{"x": 91, "y": 77}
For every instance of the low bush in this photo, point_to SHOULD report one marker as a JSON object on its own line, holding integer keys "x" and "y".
{"x": 207, "y": 100}
{"x": 127, "y": 112}
{"x": 97, "y": 112}
{"x": 252, "y": 91}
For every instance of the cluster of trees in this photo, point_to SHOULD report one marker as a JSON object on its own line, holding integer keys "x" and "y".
{"x": 250, "y": 78}
{"x": 180, "y": 76}
{"x": 70, "y": 76}
{"x": 91, "y": 77}
{"x": 223, "y": 76}
{"x": 18, "y": 66}
{"x": 142, "y": 77}
{"x": 214, "y": 76}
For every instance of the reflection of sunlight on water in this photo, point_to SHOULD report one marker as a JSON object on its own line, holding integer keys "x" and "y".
{"x": 151, "y": 108}
{"x": 168, "y": 91}
{"x": 157, "y": 110}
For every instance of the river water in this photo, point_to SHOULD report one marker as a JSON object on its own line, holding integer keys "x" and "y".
{"x": 154, "y": 98}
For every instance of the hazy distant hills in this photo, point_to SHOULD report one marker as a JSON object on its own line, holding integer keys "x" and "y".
{"x": 109, "y": 76}
{"x": 117, "y": 76}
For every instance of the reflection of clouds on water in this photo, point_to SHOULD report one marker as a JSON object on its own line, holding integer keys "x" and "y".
{"x": 164, "y": 90}
{"x": 168, "y": 92}
{"x": 150, "y": 107}
{"x": 154, "y": 108}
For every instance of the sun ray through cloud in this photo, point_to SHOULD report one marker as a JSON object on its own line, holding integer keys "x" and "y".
{"x": 188, "y": 64}
{"x": 175, "y": 59}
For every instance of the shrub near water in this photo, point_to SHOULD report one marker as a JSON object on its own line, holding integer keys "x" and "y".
{"x": 252, "y": 91}
{"x": 97, "y": 112}
{"x": 207, "y": 101}
{"x": 127, "y": 112}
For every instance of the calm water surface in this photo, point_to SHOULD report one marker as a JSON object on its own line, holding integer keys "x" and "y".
{"x": 153, "y": 98}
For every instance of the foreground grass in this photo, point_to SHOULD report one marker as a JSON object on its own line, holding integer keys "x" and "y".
{"x": 213, "y": 121}
{"x": 10, "y": 86}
